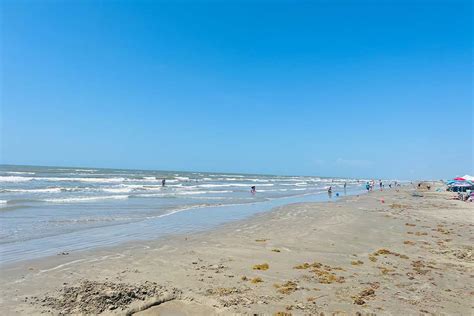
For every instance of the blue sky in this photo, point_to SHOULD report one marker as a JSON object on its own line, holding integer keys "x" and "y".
{"x": 331, "y": 88}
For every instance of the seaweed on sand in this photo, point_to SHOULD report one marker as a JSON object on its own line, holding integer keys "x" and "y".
{"x": 256, "y": 280}
{"x": 263, "y": 266}
{"x": 286, "y": 288}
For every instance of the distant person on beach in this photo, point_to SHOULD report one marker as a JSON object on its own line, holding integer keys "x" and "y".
{"x": 367, "y": 186}
{"x": 345, "y": 185}
{"x": 330, "y": 191}
{"x": 253, "y": 189}
{"x": 381, "y": 185}
{"x": 163, "y": 182}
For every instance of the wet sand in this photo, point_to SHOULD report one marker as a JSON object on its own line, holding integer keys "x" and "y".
{"x": 410, "y": 255}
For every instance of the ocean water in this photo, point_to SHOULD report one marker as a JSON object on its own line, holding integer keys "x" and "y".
{"x": 46, "y": 210}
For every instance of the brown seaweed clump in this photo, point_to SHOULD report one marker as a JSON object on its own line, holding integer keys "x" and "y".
{"x": 362, "y": 297}
{"x": 322, "y": 272}
{"x": 326, "y": 277}
{"x": 421, "y": 233}
{"x": 385, "y": 270}
{"x": 276, "y": 250}
{"x": 409, "y": 242}
{"x": 263, "y": 266}
{"x": 357, "y": 262}
{"x": 256, "y": 280}
{"x": 384, "y": 251}
{"x": 418, "y": 267}
{"x": 286, "y": 288}
{"x": 307, "y": 265}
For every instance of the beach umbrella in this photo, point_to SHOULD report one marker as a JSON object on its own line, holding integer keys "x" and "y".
{"x": 459, "y": 179}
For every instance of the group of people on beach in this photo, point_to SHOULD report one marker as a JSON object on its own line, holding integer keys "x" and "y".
{"x": 369, "y": 186}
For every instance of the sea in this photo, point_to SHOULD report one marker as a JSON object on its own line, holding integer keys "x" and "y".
{"x": 49, "y": 210}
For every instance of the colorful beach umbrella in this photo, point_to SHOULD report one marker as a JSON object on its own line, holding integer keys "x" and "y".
{"x": 459, "y": 179}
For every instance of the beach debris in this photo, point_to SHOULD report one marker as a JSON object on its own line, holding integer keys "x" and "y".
{"x": 92, "y": 297}
{"x": 223, "y": 291}
{"x": 276, "y": 250}
{"x": 322, "y": 272}
{"x": 441, "y": 230}
{"x": 409, "y": 224}
{"x": 357, "y": 262}
{"x": 384, "y": 251}
{"x": 256, "y": 280}
{"x": 418, "y": 266}
{"x": 263, "y": 266}
{"x": 409, "y": 242}
{"x": 385, "y": 270}
{"x": 64, "y": 253}
{"x": 363, "y": 296}
{"x": 307, "y": 265}
{"x": 244, "y": 278}
{"x": 286, "y": 288}
{"x": 421, "y": 233}
{"x": 372, "y": 258}
{"x": 282, "y": 314}
{"x": 261, "y": 240}
{"x": 326, "y": 277}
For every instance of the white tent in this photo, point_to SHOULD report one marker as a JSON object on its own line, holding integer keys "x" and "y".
{"x": 468, "y": 177}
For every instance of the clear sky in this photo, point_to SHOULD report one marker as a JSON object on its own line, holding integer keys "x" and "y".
{"x": 331, "y": 88}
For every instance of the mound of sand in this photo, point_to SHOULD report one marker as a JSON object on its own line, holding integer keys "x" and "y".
{"x": 91, "y": 297}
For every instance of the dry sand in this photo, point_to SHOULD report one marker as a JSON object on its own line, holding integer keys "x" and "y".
{"x": 411, "y": 255}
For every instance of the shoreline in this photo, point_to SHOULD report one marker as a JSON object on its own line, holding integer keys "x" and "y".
{"x": 207, "y": 268}
{"x": 152, "y": 228}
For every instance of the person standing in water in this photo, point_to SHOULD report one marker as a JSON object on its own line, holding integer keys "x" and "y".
{"x": 163, "y": 182}
{"x": 253, "y": 189}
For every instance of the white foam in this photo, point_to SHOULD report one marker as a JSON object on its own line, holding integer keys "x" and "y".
{"x": 87, "y": 198}
{"x": 300, "y": 184}
{"x": 234, "y": 185}
{"x": 19, "y": 172}
{"x": 14, "y": 179}
{"x": 117, "y": 190}
{"x": 46, "y": 190}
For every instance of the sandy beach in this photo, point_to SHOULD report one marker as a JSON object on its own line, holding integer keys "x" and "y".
{"x": 406, "y": 252}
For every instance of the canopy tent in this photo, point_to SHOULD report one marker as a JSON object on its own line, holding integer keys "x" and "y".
{"x": 468, "y": 177}
{"x": 464, "y": 184}
{"x": 457, "y": 185}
